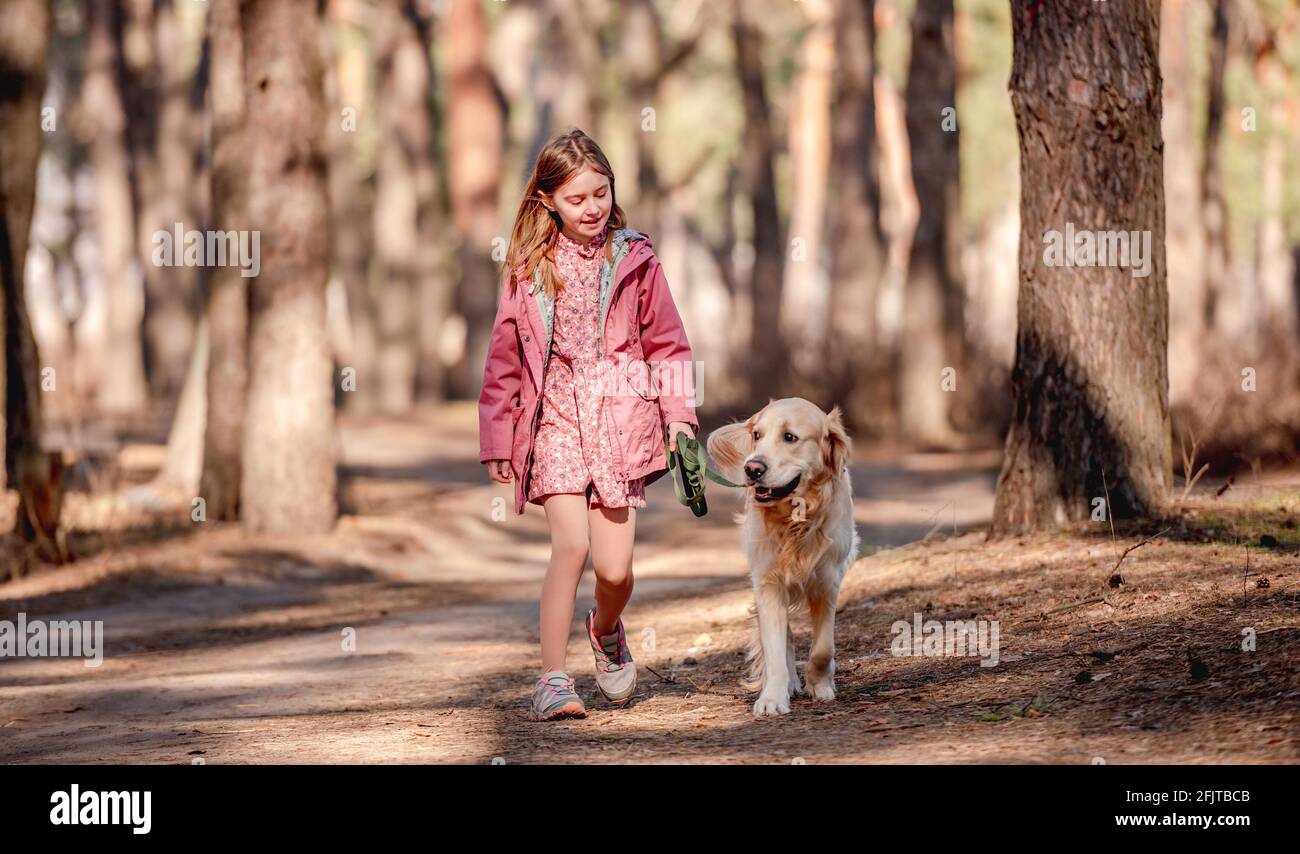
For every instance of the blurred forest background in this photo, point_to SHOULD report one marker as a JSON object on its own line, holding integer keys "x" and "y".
{"x": 833, "y": 188}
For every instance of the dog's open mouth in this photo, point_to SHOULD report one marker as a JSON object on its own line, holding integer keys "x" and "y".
{"x": 765, "y": 494}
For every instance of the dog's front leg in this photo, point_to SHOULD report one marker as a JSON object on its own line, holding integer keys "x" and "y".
{"x": 819, "y": 675}
{"x": 796, "y": 687}
{"x": 773, "y": 627}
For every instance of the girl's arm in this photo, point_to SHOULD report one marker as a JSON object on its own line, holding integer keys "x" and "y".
{"x": 502, "y": 376}
{"x": 666, "y": 348}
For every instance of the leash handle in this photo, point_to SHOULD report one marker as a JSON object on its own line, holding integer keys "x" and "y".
{"x": 692, "y": 461}
{"x": 684, "y": 467}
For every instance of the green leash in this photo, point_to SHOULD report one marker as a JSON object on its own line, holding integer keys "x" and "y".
{"x": 692, "y": 462}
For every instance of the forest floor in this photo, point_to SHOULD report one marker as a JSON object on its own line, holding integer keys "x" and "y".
{"x": 226, "y": 649}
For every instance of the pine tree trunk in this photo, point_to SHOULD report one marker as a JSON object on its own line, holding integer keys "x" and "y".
{"x": 24, "y": 37}
{"x": 1090, "y": 379}
{"x": 407, "y": 220}
{"x": 163, "y": 149}
{"x": 575, "y": 61}
{"x": 475, "y": 132}
{"x": 171, "y": 332}
{"x": 1183, "y": 208}
{"x": 227, "y": 308}
{"x": 122, "y": 386}
{"x": 643, "y": 59}
{"x": 289, "y": 479}
{"x": 804, "y": 293}
{"x": 1214, "y": 208}
{"x": 433, "y": 295}
{"x": 765, "y": 360}
{"x": 183, "y": 466}
{"x": 350, "y": 205}
{"x": 857, "y": 253}
{"x": 932, "y": 328}
{"x": 1275, "y": 323}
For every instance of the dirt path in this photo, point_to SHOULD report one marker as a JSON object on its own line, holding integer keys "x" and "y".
{"x": 230, "y": 650}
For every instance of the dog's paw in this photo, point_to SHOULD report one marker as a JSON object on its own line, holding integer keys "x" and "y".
{"x": 822, "y": 690}
{"x": 771, "y": 706}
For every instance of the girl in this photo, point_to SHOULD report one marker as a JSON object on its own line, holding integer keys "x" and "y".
{"x": 570, "y": 410}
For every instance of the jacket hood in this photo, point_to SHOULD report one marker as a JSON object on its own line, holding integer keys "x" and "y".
{"x": 619, "y": 238}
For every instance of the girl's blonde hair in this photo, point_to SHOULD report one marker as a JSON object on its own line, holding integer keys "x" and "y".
{"x": 532, "y": 242}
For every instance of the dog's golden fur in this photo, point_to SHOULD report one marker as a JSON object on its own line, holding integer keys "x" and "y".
{"x": 799, "y": 543}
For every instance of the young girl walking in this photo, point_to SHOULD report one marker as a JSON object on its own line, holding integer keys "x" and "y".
{"x": 587, "y": 367}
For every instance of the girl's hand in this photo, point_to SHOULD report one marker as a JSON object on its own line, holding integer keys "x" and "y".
{"x": 499, "y": 470}
{"x": 678, "y": 426}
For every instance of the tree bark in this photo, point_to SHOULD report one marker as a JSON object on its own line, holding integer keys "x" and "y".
{"x": 475, "y": 141}
{"x": 575, "y": 63}
{"x": 1183, "y": 208}
{"x": 351, "y": 207}
{"x": 857, "y": 255}
{"x": 289, "y": 479}
{"x": 765, "y": 362}
{"x": 932, "y": 308}
{"x": 804, "y": 293}
{"x": 164, "y": 143}
{"x": 1213, "y": 207}
{"x": 407, "y": 219}
{"x": 643, "y": 56}
{"x": 649, "y": 57}
{"x": 434, "y": 296}
{"x": 1275, "y": 322}
{"x": 227, "y": 308}
{"x": 24, "y": 38}
{"x": 183, "y": 468}
{"x": 180, "y": 143}
{"x": 566, "y": 85}
{"x": 122, "y": 387}
{"x": 1090, "y": 379}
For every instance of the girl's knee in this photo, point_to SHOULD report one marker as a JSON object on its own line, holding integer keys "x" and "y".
{"x": 615, "y": 575}
{"x": 571, "y": 553}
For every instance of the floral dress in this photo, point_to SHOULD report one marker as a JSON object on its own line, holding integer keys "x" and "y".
{"x": 571, "y": 452}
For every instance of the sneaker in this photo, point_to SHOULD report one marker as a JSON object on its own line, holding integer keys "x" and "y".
{"x": 615, "y": 672}
{"x": 554, "y": 697}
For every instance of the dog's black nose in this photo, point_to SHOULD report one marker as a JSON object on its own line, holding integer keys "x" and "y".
{"x": 754, "y": 469}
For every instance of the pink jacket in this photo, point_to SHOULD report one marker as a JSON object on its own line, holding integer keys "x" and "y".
{"x": 649, "y": 381}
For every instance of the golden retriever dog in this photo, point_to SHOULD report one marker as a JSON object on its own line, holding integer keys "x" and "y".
{"x": 798, "y": 534}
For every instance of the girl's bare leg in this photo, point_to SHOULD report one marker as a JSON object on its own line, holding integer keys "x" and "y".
{"x": 613, "y": 530}
{"x": 567, "y": 516}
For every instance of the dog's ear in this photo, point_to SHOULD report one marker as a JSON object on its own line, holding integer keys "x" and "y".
{"x": 729, "y": 446}
{"x": 837, "y": 447}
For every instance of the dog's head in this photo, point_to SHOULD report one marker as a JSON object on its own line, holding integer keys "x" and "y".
{"x": 786, "y": 448}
